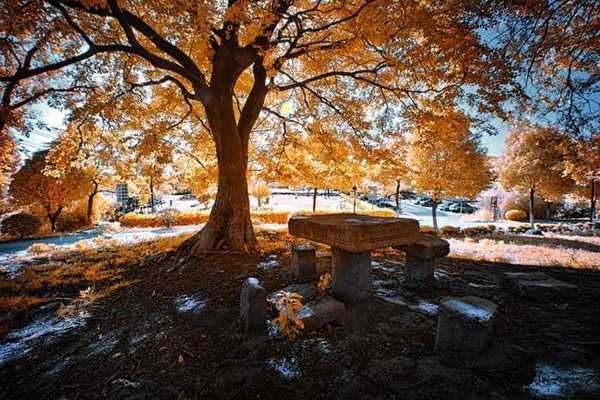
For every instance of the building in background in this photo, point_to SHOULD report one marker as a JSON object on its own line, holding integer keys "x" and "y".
{"x": 122, "y": 194}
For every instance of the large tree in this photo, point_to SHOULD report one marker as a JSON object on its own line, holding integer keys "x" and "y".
{"x": 213, "y": 66}
{"x": 554, "y": 44}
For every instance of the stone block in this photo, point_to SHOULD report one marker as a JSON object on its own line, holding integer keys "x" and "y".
{"x": 315, "y": 315}
{"x": 350, "y": 275}
{"x": 418, "y": 269}
{"x": 537, "y": 285}
{"x": 308, "y": 292}
{"x": 465, "y": 325}
{"x": 355, "y": 232}
{"x": 253, "y": 307}
{"x": 304, "y": 262}
{"x": 426, "y": 247}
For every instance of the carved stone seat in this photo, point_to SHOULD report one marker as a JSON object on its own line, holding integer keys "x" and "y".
{"x": 420, "y": 256}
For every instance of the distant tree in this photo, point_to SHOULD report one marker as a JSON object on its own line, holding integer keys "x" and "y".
{"x": 454, "y": 164}
{"x": 391, "y": 169}
{"x": 533, "y": 161}
{"x": 314, "y": 159}
{"x": 20, "y": 225}
{"x": 97, "y": 153}
{"x": 8, "y": 161}
{"x": 31, "y": 185}
{"x": 582, "y": 163}
{"x": 260, "y": 191}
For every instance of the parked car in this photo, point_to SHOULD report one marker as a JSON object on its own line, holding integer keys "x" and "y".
{"x": 446, "y": 205}
{"x": 386, "y": 203}
{"x": 426, "y": 202}
{"x": 406, "y": 194}
{"x": 421, "y": 199}
{"x": 466, "y": 208}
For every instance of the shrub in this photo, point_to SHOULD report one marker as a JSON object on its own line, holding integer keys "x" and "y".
{"x": 270, "y": 217}
{"x": 448, "y": 230}
{"x": 195, "y": 218}
{"x": 516, "y": 215}
{"x": 428, "y": 229}
{"x": 70, "y": 221}
{"x": 288, "y": 304}
{"x": 168, "y": 217}
{"x": 20, "y": 225}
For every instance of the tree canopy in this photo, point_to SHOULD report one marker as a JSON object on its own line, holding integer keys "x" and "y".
{"x": 181, "y": 72}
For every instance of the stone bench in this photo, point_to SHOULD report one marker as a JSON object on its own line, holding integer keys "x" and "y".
{"x": 465, "y": 325}
{"x": 304, "y": 262}
{"x": 352, "y": 237}
{"x": 537, "y": 286}
{"x": 420, "y": 256}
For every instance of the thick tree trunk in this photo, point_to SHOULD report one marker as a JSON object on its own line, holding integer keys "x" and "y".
{"x": 229, "y": 226}
{"x": 593, "y": 200}
{"x": 53, "y": 217}
{"x": 434, "y": 214}
{"x": 90, "y": 203}
{"x": 314, "y": 199}
{"x": 531, "y": 208}
{"x": 548, "y": 204}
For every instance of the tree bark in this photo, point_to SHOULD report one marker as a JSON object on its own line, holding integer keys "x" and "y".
{"x": 434, "y": 214}
{"x": 593, "y": 200}
{"x": 397, "y": 195}
{"x": 90, "y": 203}
{"x": 53, "y": 217}
{"x": 152, "y": 194}
{"x": 531, "y": 208}
{"x": 229, "y": 226}
{"x": 548, "y": 204}
{"x": 314, "y": 199}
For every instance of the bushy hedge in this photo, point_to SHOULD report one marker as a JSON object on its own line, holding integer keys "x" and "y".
{"x": 20, "y": 225}
{"x": 516, "y": 215}
{"x": 196, "y": 218}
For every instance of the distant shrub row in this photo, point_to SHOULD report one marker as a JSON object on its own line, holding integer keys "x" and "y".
{"x": 516, "y": 215}
{"x": 172, "y": 217}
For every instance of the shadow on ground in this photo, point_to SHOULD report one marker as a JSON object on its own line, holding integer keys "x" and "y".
{"x": 176, "y": 335}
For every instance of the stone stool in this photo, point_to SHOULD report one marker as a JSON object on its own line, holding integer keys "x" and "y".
{"x": 253, "y": 307}
{"x": 465, "y": 325}
{"x": 304, "y": 262}
{"x": 420, "y": 256}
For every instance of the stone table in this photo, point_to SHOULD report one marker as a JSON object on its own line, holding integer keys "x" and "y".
{"x": 352, "y": 237}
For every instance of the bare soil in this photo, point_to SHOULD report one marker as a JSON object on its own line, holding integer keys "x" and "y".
{"x": 137, "y": 344}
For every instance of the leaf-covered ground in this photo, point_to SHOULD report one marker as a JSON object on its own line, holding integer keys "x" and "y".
{"x": 155, "y": 326}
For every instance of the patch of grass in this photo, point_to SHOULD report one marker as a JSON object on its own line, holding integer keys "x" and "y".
{"x": 19, "y": 303}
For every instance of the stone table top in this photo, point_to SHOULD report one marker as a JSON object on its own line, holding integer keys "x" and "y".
{"x": 355, "y": 232}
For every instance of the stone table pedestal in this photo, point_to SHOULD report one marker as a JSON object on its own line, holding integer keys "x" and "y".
{"x": 352, "y": 237}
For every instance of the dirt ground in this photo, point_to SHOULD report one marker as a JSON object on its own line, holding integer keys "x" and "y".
{"x": 173, "y": 333}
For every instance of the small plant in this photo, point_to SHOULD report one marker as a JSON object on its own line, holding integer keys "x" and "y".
{"x": 516, "y": 215}
{"x": 288, "y": 304}
{"x": 168, "y": 217}
{"x": 324, "y": 282}
{"x": 20, "y": 225}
